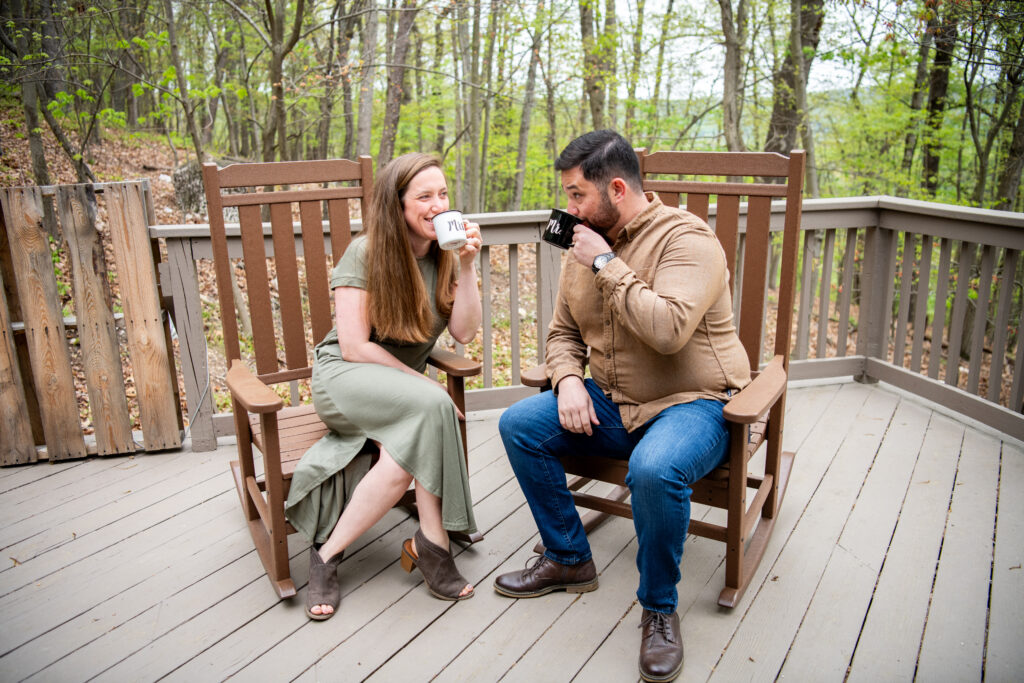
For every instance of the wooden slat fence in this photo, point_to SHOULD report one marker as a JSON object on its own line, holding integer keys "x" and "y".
{"x": 37, "y": 384}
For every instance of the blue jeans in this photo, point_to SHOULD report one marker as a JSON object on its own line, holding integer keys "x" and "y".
{"x": 667, "y": 454}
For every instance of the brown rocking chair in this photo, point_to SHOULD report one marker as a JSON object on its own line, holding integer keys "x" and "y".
{"x": 287, "y": 317}
{"x": 754, "y": 415}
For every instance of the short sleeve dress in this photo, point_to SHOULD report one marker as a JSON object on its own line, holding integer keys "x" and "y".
{"x": 415, "y": 421}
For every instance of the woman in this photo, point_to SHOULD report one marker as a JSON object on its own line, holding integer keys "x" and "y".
{"x": 395, "y": 291}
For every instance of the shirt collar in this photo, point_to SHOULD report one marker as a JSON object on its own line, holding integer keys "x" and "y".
{"x": 642, "y": 219}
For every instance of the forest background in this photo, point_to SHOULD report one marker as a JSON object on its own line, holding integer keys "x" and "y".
{"x": 914, "y": 98}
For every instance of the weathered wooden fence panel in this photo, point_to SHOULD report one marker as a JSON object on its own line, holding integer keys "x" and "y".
{"x": 44, "y": 324}
{"x": 101, "y": 359}
{"x": 36, "y": 306}
{"x": 158, "y": 409}
{"x": 16, "y": 444}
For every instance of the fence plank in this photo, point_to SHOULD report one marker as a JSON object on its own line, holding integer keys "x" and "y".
{"x": 906, "y": 280}
{"x": 846, "y": 293}
{"x": 44, "y": 324}
{"x": 825, "y": 295}
{"x": 956, "y": 328}
{"x": 988, "y": 266}
{"x": 16, "y": 445}
{"x": 7, "y": 279}
{"x": 1006, "y": 294}
{"x": 101, "y": 355}
{"x": 924, "y": 276}
{"x": 158, "y": 413}
{"x": 939, "y": 314}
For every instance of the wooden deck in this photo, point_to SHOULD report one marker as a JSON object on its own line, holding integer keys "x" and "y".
{"x": 897, "y": 556}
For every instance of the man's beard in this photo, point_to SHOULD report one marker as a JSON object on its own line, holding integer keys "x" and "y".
{"x": 606, "y": 218}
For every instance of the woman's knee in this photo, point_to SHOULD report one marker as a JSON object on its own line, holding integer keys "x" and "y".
{"x": 394, "y": 473}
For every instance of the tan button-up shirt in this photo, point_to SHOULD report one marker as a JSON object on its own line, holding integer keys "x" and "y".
{"x": 657, "y": 319}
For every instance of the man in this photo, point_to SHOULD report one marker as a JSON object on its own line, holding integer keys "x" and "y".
{"x": 645, "y": 289}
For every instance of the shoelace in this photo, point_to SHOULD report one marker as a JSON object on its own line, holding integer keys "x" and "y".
{"x": 660, "y": 625}
{"x": 533, "y": 564}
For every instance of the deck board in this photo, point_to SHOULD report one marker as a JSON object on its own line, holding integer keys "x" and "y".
{"x": 882, "y": 566}
{"x": 1004, "y": 656}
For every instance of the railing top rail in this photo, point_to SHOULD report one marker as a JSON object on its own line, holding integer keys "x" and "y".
{"x": 986, "y": 226}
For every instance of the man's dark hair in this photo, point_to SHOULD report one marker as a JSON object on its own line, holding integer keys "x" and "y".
{"x": 601, "y": 156}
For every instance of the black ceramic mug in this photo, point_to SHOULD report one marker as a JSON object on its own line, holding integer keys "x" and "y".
{"x": 560, "y": 228}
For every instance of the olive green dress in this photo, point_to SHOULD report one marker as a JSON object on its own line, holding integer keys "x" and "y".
{"x": 415, "y": 421}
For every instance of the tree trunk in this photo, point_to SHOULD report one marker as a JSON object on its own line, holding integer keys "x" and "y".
{"x": 609, "y": 62}
{"x": 658, "y": 70}
{"x": 1009, "y": 179}
{"x": 369, "y": 56}
{"x": 917, "y": 95}
{"x": 938, "y": 85}
{"x": 634, "y": 72}
{"x": 439, "y": 128}
{"x": 734, "y": 28}
{"x": 593, "y": 76}
{"x": 188, "y": 108}
{"x": 549, "y": 86}
{"x": 396, "y": 79}
{"x": 790, "y": 79}
{"x": 527, "y": 112}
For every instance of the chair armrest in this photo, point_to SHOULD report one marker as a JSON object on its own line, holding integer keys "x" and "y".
{"x": 759, "y": 396}
{"x": 253, "y": 394}
{"x": 454, "y": 364}
{"x": 535, "y": 377}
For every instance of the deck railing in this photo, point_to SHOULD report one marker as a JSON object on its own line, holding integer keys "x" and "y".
{"x": 889, "y": 289}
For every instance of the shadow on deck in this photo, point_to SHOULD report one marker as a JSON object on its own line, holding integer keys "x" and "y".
{"x": 889, "y": 562}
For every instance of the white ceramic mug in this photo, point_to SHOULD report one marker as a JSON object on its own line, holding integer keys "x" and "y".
{"x": 450, "y": 229}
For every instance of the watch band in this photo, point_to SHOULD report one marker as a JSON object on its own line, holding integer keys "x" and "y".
{"x": 601, "y": 260}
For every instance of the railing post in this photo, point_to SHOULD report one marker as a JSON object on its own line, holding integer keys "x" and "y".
{"x": 188, "y": 321}
{"x": 876, "y": 296}
{"x": 549, "y": 268}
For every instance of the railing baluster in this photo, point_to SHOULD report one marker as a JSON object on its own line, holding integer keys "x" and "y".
{"x": 956, "y": 328}
{"x": 807, "y": 280}
{"x": 988, "y": 265}
{"x": 939, "y": 315}
{"x": 906, "y": 279}
{"x": 1006, "y": 294}
{"x": 488, "y": 314}
{"x": 825, "y": 296}
{"x": 1017, "y": 389}
{"x": 846, "y": 293}
{"x": 513, "y": 308}
{"x": 924, "y": 276}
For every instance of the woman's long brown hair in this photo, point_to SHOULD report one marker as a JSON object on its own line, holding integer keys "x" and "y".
{"x": 397, "y": 297}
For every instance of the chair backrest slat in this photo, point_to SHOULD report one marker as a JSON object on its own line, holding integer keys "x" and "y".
{"x": 727, "y": 227}
{"x": 288, "y": 296}
{"x": 296, "y": 309}
{"x": 669, "y": 199}
{"x": 316, "y": 267}
{"x": 746, "y": 239}
{"x": 755, "y": 268}
{"x": 697, "y": 204}
{"x": 257, "y": 286}
{"x": 341, "y": 227}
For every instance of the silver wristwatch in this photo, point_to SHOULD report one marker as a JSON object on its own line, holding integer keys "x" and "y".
{"x": 601, "y": 259}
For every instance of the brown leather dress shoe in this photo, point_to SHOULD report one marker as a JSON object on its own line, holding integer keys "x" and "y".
{"x": 543, "y": 575}
{"x": 661, "y": 647}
